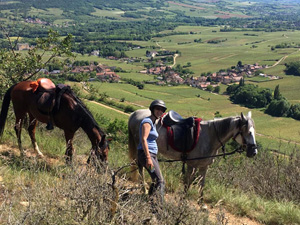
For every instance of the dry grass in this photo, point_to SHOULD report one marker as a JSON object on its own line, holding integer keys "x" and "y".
{"x": 85, "y": 195}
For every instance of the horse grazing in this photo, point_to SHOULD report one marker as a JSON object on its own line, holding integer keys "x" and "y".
{"x": 68, "y": 113}
{"x": 213, "y": 135}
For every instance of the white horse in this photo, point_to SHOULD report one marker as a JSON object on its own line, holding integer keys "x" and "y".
{"x": 213, "y": 135}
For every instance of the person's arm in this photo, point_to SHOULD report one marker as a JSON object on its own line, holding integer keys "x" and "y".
{"x": 145, "y": 133}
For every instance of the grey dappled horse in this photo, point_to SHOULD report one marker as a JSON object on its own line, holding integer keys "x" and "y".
{"x": 213, "y": 134}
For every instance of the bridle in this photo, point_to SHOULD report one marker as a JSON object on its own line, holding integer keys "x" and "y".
{"x": 102, "y": 148}
{"x": 244, "y": 142}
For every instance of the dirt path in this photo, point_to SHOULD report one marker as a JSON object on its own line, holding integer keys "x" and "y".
{"x": 174, "y": 56}
{"x": 282, "y": 59}
{"x": 174, "y": 60}
{"x": 108, "y": 107}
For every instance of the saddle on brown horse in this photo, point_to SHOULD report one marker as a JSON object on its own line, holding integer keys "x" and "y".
{"x": 47, "y": 96}
{"x": 44, "y": 90}
{"x": 183, "y": 134}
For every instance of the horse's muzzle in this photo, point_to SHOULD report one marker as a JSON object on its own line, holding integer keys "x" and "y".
{"x": 251, "y": 150}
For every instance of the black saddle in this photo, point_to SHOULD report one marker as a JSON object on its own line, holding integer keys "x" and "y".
{"x": 180, "y": 131}
{"x": 48, "y": 101}
{"x": 173, "y": 118}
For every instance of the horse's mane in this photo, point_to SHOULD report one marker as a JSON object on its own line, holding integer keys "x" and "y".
{"x": 85, "y": 110}
{"x": 223, "y": 125}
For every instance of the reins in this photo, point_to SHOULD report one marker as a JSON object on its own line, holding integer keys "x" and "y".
{"x": 239, "y": 150}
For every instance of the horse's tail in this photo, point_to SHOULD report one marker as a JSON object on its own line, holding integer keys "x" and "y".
{"x": 4, "y": 109}
{"x": 132, "y": 152}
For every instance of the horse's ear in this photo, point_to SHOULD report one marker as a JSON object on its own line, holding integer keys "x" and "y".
{"x": 109, "y": 140}
{"x": 102, "y": 139}
{"x": 249, "y": 114}
{"x": 243, "y": 117}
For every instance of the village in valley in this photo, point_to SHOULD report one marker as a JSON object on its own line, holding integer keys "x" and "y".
{"x": 165, "y": 74}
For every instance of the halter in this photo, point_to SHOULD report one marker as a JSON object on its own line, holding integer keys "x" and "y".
{"x": 244, "y": 142}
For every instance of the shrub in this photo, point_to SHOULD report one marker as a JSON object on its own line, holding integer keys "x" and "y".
{"x": 278, "y": 108}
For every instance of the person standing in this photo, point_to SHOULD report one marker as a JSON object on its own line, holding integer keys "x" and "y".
{"x": 147, "y": 148}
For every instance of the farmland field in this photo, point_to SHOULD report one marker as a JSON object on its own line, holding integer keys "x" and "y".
{"x": 272, "y": 131}
{"x": 255, "y": 47}
{"x": 247, "y": 46}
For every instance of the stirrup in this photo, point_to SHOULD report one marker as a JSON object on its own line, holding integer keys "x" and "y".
{"x": 49, "y": 126}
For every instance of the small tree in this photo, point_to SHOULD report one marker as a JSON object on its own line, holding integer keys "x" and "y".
{"x": 217, "y": 114}
{"x": 239, "y": 64}
{"x": 16, "y": 66}
{"x": 278, "y": 108}
{"x": 217, "y": 89}
{"x": 209, "y": 88}
{"x": 277, "y": 94}
{"x": 242, "y": 82}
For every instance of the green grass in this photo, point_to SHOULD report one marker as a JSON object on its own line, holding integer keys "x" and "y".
{"x": 50, "y": 12}
{"x": 258, "y": 79}
{"x": 104, "y": 112}
{"x": 184, "y": 100}
{"x": 109, "y": 13}
{"x": 62, "y": 21}
{"x": 206, "y": 57}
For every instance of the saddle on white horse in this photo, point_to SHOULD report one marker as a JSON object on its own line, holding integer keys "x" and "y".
{"x": 183, "y": 134}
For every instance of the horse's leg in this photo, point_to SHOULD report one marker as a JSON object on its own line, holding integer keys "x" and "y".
{"x": 18, "y": 129}
{"x": 201, "y": 182}
{"x": 70, "y": 149}
{"x": 31, "y": 131}
{"x": 189, "y": 177}
{"x": 141, "y": 172}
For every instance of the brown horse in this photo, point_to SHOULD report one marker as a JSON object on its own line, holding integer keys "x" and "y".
{"x": 70, "y": 115}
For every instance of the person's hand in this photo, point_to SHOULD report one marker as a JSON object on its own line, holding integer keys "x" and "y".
{"x": 149, "y": 163}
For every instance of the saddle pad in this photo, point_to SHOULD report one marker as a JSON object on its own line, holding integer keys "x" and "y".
{"x": 183, "y": 139}
{"x": 45, "y": 83}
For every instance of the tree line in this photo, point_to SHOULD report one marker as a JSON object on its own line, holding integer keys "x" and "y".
{"x": 252, "y": 96}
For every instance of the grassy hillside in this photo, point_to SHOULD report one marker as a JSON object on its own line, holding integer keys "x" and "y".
{"x": 45, "y": 191}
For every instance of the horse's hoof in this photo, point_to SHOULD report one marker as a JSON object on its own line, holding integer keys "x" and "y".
{"x": 41, "y": 156}
{"x": 145, "y": 191}
{"x": 203, "y": 207}
{"x": 68, "y": 161}
{"x": 22, "y": 154}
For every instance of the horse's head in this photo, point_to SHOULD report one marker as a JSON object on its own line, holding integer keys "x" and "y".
{"x": 103, "y": 148}
{"x": 246, "y": 134}
{"x": 100, "y": 151}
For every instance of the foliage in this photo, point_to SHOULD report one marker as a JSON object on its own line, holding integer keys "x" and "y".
{"x": 254, "y": 97}
{"x": 277, "y": 94}
{"x": 182, "y": 70}
{"x": 278, "y": 108}
{"x": 138, "y": 84}
{"x": 84, "y": 45}
{"x": 217, "y": 89}
{"x": 118, "y": 130}
{"x": 217, "y": 114}
{"x": 16, "y": 66}
{"x": 277, "y": 177}
{"x": 293, "y": 68}
{"x": 294, "y": 111}
{"x": 249, "y": 95}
